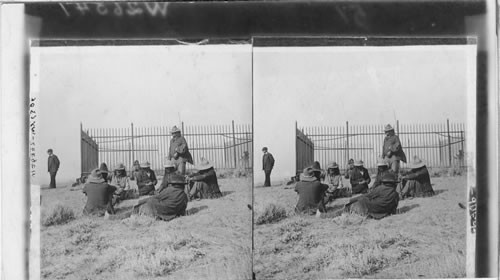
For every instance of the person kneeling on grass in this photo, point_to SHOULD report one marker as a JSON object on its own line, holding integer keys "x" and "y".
{"x": 417, "y": 181}
{"x": 122, "y": 184}
{"x": 336, "y": 187}
{"x": 146, "y": 180}
{"x": 203, "y": 184}
{"x": 99, "y": 195}
{"x": 380, "y": 202}
{"x": 170, "y": 202}
{"x": 311, "y": 193}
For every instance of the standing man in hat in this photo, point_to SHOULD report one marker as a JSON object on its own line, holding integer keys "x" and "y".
{"x": 53, "y": 167}
{"x": 179, "y": 151}
{"x": 392, "y": 149}
{"x": 267, "y": 166}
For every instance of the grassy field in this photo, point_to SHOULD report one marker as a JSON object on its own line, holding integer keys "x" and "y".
{"x": 212, "y": 242}
{"x": 426, "y": 239}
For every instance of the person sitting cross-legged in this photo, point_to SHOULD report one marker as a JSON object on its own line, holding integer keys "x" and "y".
{"x": 417, "y": 181}
{"x": 333, "y": 179}
{"x": 382, "y": 168}
{"x": 204, "y": 184}
{"x": 360, "y": 178}
{"x": 99, "y": 195}
{"x": 121, "y": 182}
{"x": 311, "y": 193}
{"x": 380, "y": 202}
{"x": 146, "y": 179}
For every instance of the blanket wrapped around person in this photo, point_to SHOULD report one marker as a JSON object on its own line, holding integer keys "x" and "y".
{"x": 204, "y": 184}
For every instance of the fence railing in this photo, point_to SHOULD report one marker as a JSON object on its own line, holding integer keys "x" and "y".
{"x": 89, "y": 153}
{"x": 226, "y": 146}
{"x": 304, "y": 150}
{"x": 439, "y": 144}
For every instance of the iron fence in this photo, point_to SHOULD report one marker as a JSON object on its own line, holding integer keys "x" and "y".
{"x": 226, "y": 146}
{"x": 439, "y": 144}
{"x": 89, "y": 153}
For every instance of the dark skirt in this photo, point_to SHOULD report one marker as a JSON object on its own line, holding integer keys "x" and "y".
{"x": 162, "y": 210}
{"x": 360, "y": 188}
{"x": 414, "y": 188}
{"x": 203, "y": 190}
{"x": 147, "y": 190}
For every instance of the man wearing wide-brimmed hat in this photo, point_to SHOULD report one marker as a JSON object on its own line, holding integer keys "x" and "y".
{"x": 121, "y": 182}
{"x": 311, "y": 193}
{"x": 380, "y": 202}
{"x": 170, "y": 202}
{"x": 267, "y": 166}
{"x": 417, "y": 181}
{"x": 382, "y": 168}
{"x": 99, "y": 195}
{"x": 336, "y": 187}
{"x": 203, "y": 183}
{"x": 360, "y": 178}
{"x": 146, "y": 179}
{"x": 179, "y": 151}
{"x": 392, "y": 149}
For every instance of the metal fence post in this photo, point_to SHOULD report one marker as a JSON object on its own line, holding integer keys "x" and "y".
{"x": 347, "y": 141}
{"x": 132, "y": 139}
{"x": 449, "y": 141}
{"x": 234, "y": 147}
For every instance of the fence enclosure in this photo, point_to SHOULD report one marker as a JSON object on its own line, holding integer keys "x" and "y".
{"x": 439, "y": 145}
{"x": 225, "y": 146}
{"x": 89, "y": 153}
{"x": 304, "y": 148}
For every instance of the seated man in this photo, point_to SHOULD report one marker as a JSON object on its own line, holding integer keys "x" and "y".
{"x": 204, "y": 184}
{"x": 122, "y": 184}
{"x": 336, "y": 187}
{"x": 349, "y": 168}
{"x": 382, "y": 168}
{"x": 146, "y": 179}
{"x": 417, "y": 181}
{"x": 170, "y": 168}
{"x": 169, "y": 203}
{"x": 136, "y": 169}
{"x": 359, "y": 178}
{"x": 99, "y": 195}
{"x": 380, "y": 202}
{"x": 311, "y": 193}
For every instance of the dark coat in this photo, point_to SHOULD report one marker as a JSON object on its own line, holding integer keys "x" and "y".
{"x": 418, "y": 183}
{"x": 358, "y": 174}
{"x": 267, "y": 162}
{"x": 169, "y": 203}
{"x": 53, "y": 164}
{"x": 179, "y": 145}
{"x": 393, "y": 144}
{"x": 310, "y": 197}
{"x": 378, "y": 178}
{"x": 98, "y": 197}
{"x": 143, "y": 178}
{"x": 210, "y": 188}
{"x": 380, "y": 202}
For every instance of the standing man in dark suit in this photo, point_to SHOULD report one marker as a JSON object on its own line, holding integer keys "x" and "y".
{"x": 53, "y": 167}
{"x": 392, "y": 149}
{"x": 267, "y": 166}
{"x": 179, "y": 151}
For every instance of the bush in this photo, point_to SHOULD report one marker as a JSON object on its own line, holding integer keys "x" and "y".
{"x": 272, "y": 214}
{"x": 58, "y": 215}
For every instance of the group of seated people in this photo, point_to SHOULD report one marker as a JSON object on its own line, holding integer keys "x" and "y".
{"x": 316, "y": 188}
{"x": 167, "y": 202}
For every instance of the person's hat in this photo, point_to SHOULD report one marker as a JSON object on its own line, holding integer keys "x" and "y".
{"x": 388, "y": 127}
{"x": 351, "y": 161}
{"x": 176, "y": 179}
{"x": 95, "y": 176}
{"x": 382, "y": 162}
{"x": 332, "y": 165}
{"x": 169, "y": 164}
{"x": 204, "y": 164}
{"x": 49, "y": 151}
{"x": 389, "y": 177}
{"x": 264, "y": 149}
{"x": 175, "y": 129}
{"x": 308, "y": 175}
{"x": 316, "y": 166}
{"x": 416, "y": 163}
{"x": 358, "y": 163}
{"x": 104, "y": 168}
{"x": 120, "y": 166}
{"x": 145, "y": 164}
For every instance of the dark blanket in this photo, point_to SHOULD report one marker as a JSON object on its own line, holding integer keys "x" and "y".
{"x": 171, "y": 202}
{"x": 310, "y": 197}
{"x": 381, "y": 201}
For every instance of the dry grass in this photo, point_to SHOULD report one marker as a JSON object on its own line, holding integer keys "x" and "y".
{"x": 212, "y": 242}
{"x": 272, "y": 213}
{"x": 425, "y": 240}
{"x": 57, "y": 215}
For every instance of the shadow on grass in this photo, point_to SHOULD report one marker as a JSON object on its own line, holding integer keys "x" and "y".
{"x": 224, "y": 193}
{"x": 194, "y": 210}
{"x": 437, "y": 192}
{"x": 407, "y": 208}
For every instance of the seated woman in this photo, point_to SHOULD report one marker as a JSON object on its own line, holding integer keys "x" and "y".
{"x": 170, "y": 168}
{"x": 360, "y": 178}
{"x": 336, "y": 187}
{"x": 311, "y": 193}
{"x": 99, "y": 195}
{"x": 382, "y": 168}
{"x": 122, "y": 184}
{"x": 169, "y": 203}
{"x": 380, "y": 202}
{"x": 417, "y": 181}
{"x": 203, "y": 184}
{"x": 146, "y": 179}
